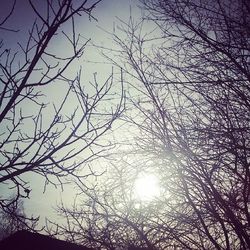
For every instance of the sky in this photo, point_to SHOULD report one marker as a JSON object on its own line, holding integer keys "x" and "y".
{"x": 166, "y": 144}
{"x": 106, "y": 12}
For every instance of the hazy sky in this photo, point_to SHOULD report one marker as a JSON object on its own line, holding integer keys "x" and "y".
{"x": 21, "y": 20}
{"x": 105, "y": 12}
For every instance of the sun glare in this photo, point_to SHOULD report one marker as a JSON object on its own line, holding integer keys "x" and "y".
{"x": 147, "y": 187}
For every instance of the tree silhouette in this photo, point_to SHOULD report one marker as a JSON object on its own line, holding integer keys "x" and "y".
{"x": 190, "y": 104}
{"x": 14, "y": 219}
{"x": 46, "y": 134}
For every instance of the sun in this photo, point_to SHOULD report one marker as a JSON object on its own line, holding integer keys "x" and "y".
{"x": 146, "y": 187}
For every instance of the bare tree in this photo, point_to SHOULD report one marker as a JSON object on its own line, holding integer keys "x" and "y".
{"x": 108, "y": 216}
{"x": 51, "y": 135}
{"x": 14, "y": 219}
{"x": 191, "y": 107}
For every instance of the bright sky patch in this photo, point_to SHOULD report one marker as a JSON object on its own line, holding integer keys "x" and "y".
{"x": 147, "y": 187}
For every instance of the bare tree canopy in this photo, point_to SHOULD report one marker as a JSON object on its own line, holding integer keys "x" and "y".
{"x": 191, "y": 106}
{"x": 51, "y": 119}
